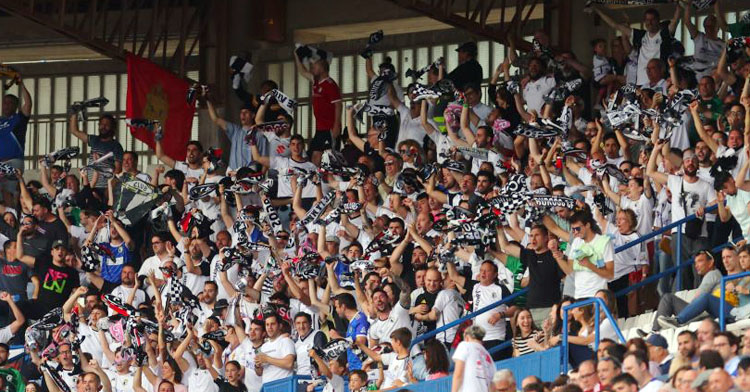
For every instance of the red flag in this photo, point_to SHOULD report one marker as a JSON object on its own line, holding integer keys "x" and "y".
{"x": 156, "y": 94}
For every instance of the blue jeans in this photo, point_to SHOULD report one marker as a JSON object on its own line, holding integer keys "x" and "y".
{"x": 664, "y": 262}
{"x": 703, "y": 302}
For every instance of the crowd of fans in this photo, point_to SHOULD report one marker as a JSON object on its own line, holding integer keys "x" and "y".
{"x": 402, "y": 214}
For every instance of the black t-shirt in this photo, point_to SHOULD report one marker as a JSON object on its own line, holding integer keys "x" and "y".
{"x": 428, "y": 299}
{"x": 55, "y": 230}
{"x": 225, "y": 386}
{"x": 56, "y": 283}
{"x": 469, "y": 71}
{"x": 544, "y": 278}
{"x": 37, "y": 245}
{"x": 14, "y": 277}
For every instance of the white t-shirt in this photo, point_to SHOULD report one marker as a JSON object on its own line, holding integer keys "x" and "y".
{"x": 120, "y": 382}
{"x": 478, "y": 367}
{"x": 706, "y": 55}
{"x": 232, "y": 276}
{"x": 483, "y": 296}
{"x": 587, "y": 282}
{"x": 410, "y": 128}
{"x": 396, "y": 369}
{"x": 650, "y": 49}
{"x": 279, "y": 348}
{"x": 449, "y": 304}
{"x": 302, "y": 348}
{"x": 277, "y": 146}
{"x": 653, "y": 386}
{"x": 151, "y": 264}
{"x": 739, "y": 204}
{"x": 658, "y": 87}
{"x": 282, "y": 165}
{"x": 628, "y": 260}
{"x": 601, "y": 67}
{"x": 443, "y": 145}
{"x": 697, "y": 194}
{"x": 245, "y": 355}
{"x": 183, "y": 167}
{"x": 643, "y": 208}
{"x": 123, "y": 293}
{"x": 200, "y": 380}
{"x": 380, "y": 330}
{"x": 535, "y": 90}
{"x": 335, "y": 384}
{"x": 5, "y": 334}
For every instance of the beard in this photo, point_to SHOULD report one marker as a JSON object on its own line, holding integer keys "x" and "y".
{"x": 692, "y": 172}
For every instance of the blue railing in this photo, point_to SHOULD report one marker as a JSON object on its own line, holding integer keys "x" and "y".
{"x": 669, "y": 271}
{"x": 469, "y": 316}
{"x": 599, "y": 305}
{"x": 722, "y": 293}
{"x": 678, "y": 257}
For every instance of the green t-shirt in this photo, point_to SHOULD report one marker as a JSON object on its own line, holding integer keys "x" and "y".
{"x": 513, "y": 264}
{"x": 739, "y": 29}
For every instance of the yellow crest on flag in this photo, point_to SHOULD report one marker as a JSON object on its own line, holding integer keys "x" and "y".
{"x": 157, "y": 104}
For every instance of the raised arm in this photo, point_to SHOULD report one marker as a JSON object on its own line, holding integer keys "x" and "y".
{"x": 710, "y": 142}
{"x": 622, "y": 27}
{"x": 676, "y": 19}
{"x": 162, "y": 156}
{"x": 73, "y": 127}
{"x": 465, "y": 125}
{"x": 428, "y": 128}
{"x": 651, "y": 168}
{"x": 120, "y": 230}
{"x": 352, "y": 130}
{"x": 688, "y": 22}
{"x": 19, "y": 319}
{"x": 25, "y": 97}
{"x": 301, "y": 68}
{"x": 511, "y": 249}
{"x": 220, "y": 122}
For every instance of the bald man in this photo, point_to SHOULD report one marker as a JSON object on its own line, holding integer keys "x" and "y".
{"x": 720, "y": 381}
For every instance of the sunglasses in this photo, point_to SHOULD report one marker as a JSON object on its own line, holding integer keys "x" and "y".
{"x": 389, "y": 163}
{"x": 576, "y": 229}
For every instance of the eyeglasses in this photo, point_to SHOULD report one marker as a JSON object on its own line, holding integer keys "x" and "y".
{"x": 576, "y": 229}
{"x": 156, "y": 242}
{"x": 588, "y": 375}
{"x": 282, "y": 238}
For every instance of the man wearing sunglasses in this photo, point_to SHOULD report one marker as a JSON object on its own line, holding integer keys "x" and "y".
{"x": 590, "y": 259}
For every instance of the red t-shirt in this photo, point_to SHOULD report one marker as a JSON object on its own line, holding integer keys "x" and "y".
{"x": 325, "y": 94}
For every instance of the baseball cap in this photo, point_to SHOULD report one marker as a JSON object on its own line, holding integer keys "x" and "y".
{"x": 468, "y": 47}
{"x": 59, "y": 243}
{"x": 331, "y": 238}
{"x": 702, "y": 378}
{"x": 657, "y": 340}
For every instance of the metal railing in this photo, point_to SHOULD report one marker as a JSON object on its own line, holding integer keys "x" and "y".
{"x": 469, "y": 316}
{"x": 722, "y": 293}
{"x": 599, "y": 305}
{"x": 678, "y": 257}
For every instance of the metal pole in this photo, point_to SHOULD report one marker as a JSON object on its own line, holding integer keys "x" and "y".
{"x": 678, "y": 277}
{"x": 565, "y": 342}
{"x": 597, "y": 323}
{"x": 723, "y": 291}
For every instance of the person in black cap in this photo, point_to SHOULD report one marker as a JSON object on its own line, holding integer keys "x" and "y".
{"x": 468, "y": 69}
{"x": 56, "y": 279}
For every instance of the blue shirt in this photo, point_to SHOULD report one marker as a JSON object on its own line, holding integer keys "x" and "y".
{"x": 12, "y": 136}
{"x": 112, "y": 268}
{"x": 240, "y": 154}
{"x": 358, "y": 326}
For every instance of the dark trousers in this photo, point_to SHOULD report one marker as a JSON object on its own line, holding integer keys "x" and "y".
{"x": 669, "y": 305}
{"x": 498, "y": 355}
{"x": 622, "y": 301}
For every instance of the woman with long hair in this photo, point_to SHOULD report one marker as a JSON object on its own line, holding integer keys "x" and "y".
{"x": 527, "y": 338}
